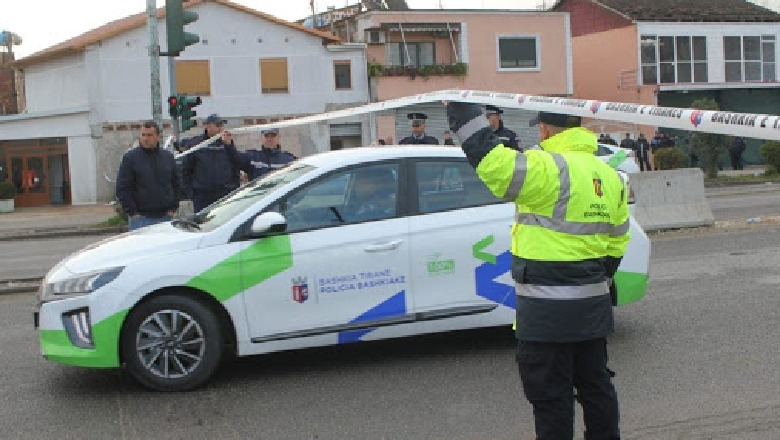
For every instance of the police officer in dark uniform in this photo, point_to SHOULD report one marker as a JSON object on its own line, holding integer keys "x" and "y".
{"x": 269, "y": 158}
{"x": 211, "y": 172}
{"x": 418, "y": 136}
{"x": 505, "y": 135}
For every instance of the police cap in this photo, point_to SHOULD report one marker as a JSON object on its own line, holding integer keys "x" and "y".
{"x": 556, "y": 119}
{"x": 493, "y": 110}
{"x": 417, "y": 119}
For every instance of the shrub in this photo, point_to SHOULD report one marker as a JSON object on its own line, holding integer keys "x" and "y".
{"x": 770, "y": 152}
{"x": 670, "y": 158}
{"x": 708, "y": 146}
{"x": 7, "y": 190}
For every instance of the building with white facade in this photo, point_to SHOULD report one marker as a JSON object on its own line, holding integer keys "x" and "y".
{"x": 86, "y": 97}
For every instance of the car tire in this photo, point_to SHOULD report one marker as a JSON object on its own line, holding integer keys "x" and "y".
{"x": 172, "y": 343}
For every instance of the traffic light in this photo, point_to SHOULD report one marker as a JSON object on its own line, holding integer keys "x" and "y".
{"x": 186, "y": 105}
{"x": 175, "y": 19}
{"x": 173, "y": 106}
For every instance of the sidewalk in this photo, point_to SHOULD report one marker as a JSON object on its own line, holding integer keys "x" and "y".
{"x": 56, "y": 221}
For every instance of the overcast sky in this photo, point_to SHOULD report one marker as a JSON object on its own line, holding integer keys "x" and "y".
{"x": 43, "y": 23}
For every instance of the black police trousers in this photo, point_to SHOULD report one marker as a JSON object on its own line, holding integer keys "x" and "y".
{"x": 550, "y": 372}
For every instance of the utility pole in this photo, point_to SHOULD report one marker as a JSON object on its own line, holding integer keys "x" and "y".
{"x": 154, "y": 61}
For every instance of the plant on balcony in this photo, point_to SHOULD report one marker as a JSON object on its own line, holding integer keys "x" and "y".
{"x": 375, "y": 69}
{"x": 426, "y": 71}
{"x": 458, "y": 69}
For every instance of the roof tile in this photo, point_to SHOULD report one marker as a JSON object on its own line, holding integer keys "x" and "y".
{"x": 691, "y": 10}
{"x": 116, "y": 27}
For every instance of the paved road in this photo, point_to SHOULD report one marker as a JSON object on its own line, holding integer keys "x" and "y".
{"x": 696, "y": 359}
{"x": 744, "y": 201}
{"x": 33, "y": 258}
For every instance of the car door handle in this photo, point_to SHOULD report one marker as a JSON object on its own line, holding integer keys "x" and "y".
{"x": 389, "y": 246}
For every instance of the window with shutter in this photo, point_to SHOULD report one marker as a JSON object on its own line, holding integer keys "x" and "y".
{"x": 273, "y": 75}
{"x": 193, "y": 77}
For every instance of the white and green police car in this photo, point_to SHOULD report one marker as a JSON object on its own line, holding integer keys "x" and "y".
{"x": 303, "y": 257}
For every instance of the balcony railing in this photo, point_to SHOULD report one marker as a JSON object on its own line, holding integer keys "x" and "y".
{"x": 458, "y": 69}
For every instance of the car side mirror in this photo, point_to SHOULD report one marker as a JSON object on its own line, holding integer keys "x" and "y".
{"x": 268, "y": 222}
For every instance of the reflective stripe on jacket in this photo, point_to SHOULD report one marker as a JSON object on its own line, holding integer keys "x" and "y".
{"x": 572, "y": 213}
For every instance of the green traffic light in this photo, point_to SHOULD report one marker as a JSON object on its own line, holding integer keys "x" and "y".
{"x": 175, "y": 19}
{"x": 186, "y": 105}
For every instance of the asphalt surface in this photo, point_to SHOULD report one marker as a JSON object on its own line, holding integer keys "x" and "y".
{"x": 696, "y": 359}
{"x": 33, "y": 258}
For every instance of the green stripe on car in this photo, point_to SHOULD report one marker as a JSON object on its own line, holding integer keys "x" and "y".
{"x": 224, "y": 280}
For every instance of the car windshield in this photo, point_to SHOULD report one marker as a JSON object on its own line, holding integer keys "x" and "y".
{"x": 239, "y": 200}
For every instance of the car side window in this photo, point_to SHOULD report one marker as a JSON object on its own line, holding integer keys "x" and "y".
{"x": 363, "y": 194}
{"x": 443, "y": 186}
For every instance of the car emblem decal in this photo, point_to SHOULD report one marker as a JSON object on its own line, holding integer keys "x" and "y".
{"x": 300, "y": 290}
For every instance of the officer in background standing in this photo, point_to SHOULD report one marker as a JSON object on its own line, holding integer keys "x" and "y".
{"x": 147, "y": 184}
{"x": 505, "y": 135}
{"x": 211, "y": 172}
{"x": 269, "y": 158}
{"x": 566, "y": 247}
{"x": 643, "y": 153}
{"x": 627, "y": 142}
{"x": 418, "y": 136}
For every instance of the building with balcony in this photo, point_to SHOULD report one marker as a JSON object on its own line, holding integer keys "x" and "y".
{"x": 417, "y": 51}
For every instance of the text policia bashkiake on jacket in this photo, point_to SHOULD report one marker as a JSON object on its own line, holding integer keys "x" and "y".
{"x": 571, "y": 229}
{"x": 147, "y": 182}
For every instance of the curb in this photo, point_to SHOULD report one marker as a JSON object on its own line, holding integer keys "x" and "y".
{"x": 24, "y": 285}
{"x": 37, "y": 234}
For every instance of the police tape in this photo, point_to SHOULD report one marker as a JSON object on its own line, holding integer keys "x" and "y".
{"x": 760, "y": 126}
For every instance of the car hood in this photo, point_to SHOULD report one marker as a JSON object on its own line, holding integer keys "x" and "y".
{"x": 151, "y": 242}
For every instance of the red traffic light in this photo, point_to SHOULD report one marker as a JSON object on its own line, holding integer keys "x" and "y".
{"x": 172, "y": 101}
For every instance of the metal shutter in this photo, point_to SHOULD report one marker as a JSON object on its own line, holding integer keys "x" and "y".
{"x": 346, "y": 129}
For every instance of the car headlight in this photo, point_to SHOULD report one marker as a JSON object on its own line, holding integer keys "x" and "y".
{"x": 79, "y": 285}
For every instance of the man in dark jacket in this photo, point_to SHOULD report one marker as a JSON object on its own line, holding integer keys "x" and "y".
{"x": 271, "y": 157}
{"x": 418, "y": 136}
{"x": 643, "y": 153}
{"x": 147, "y": 184}
{"x": 505, "y": 135}
{"x": 736, "y": 150}
{"x": 211, "y": 172}
{"x": 627, "y": 143}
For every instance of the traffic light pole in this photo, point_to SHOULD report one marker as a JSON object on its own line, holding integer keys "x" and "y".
{"x": 172, "y": 82}
{"x": 154, "y": 61}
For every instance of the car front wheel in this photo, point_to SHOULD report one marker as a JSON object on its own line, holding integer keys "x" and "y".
{"x": 172, "y": 343}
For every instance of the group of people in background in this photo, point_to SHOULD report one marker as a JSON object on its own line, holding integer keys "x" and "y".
{"x": 150, "y": 183}
{"x": 420, "y": 137}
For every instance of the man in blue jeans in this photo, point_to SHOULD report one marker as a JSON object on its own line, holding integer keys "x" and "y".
{"x": 147, "y": 184}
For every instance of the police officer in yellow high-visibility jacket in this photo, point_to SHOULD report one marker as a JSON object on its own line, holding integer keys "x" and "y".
{"x": 571, "y": 230}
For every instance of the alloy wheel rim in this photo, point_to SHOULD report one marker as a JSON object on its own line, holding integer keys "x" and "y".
{"x": 170, "y": 344}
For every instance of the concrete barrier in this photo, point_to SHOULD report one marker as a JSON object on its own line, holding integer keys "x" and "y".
{"x": 671, "y": 199}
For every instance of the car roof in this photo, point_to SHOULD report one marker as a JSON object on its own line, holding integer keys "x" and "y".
{"x": 350, "y": 156}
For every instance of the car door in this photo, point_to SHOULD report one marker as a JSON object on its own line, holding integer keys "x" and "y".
{"x": 347, "y": 266}
{"x": 460, "y": 238}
